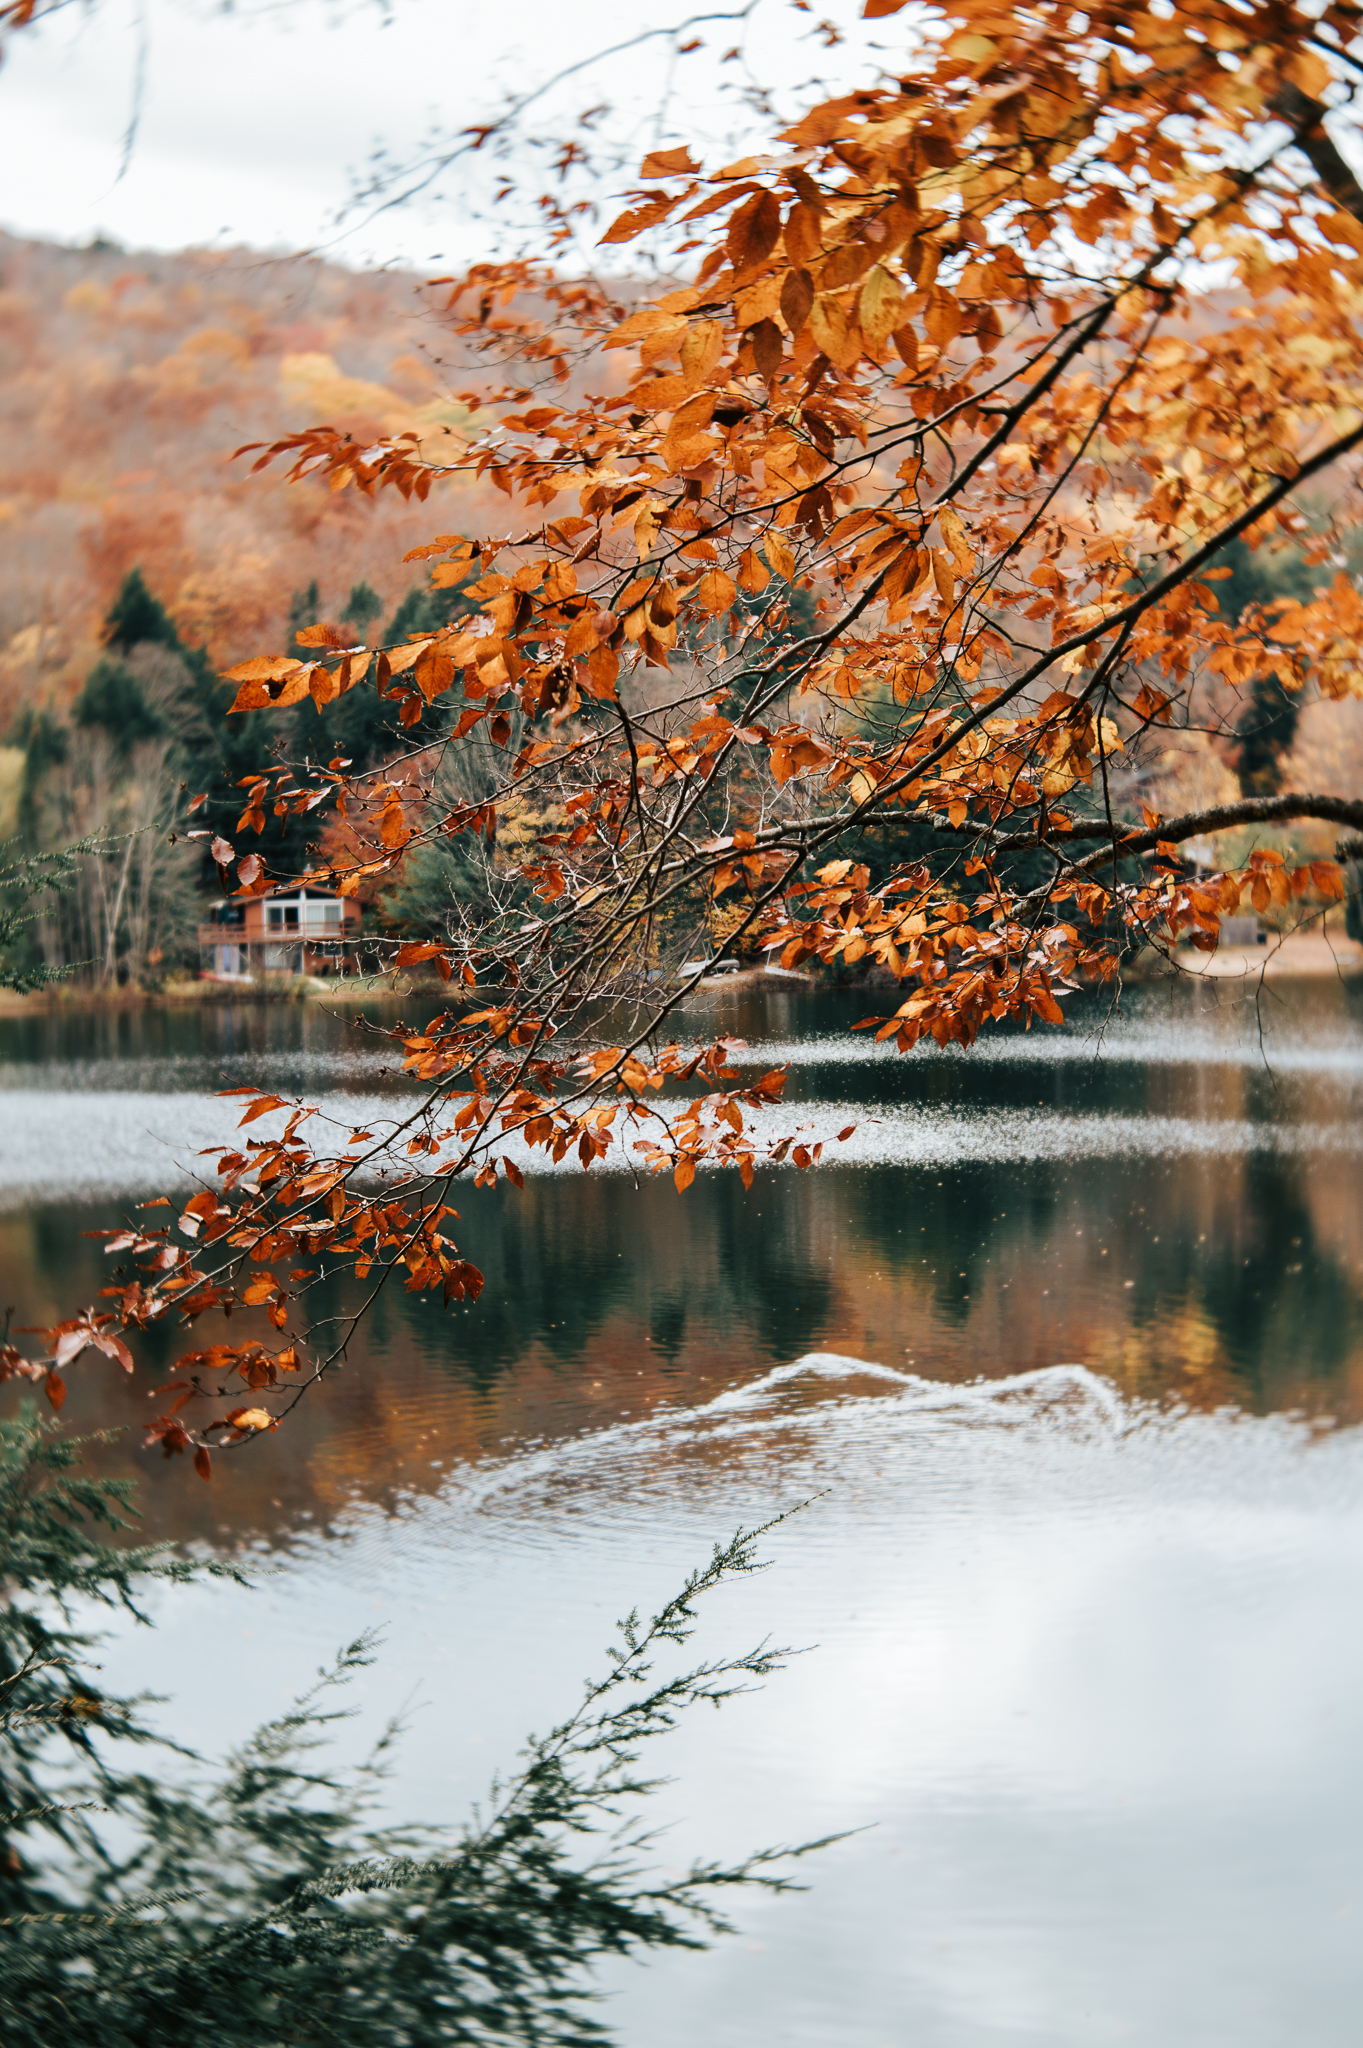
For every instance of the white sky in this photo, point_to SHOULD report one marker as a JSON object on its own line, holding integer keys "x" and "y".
{"x": 253, "y": 123}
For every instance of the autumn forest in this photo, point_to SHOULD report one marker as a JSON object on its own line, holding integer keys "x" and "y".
{"x": 684, "y": 881}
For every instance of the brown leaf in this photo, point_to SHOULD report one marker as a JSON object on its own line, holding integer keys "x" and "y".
{"x": 804, "y": 233}
{"x": 716, "y": 592}
{"x": 779, "y": 555}
{"x": 881, "y": 306}
{"x": 393, "y": 830}
{"x": 752, "y": 573}
{"x": 753, "y": 231}
{"x": 639, "y": 218}
{"x": 668, "y": 163}
{"x": 768, "y": 348}
{"x": 839, "y": 338}
{"x": 322, "y": 687}
{"x": 701, "y": 350}
{"x": 261, "y": 1107}
{"x": 264, "y": 668}
{"x": 797, "y": 297}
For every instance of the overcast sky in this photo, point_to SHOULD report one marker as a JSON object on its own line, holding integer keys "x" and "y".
{"x": 253, "y": 125}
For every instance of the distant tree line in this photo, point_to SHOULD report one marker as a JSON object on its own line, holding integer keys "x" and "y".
{"x": 146, "y": 735}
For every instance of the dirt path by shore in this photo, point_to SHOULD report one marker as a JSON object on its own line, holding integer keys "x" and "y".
{"x": 1296, "y": 955}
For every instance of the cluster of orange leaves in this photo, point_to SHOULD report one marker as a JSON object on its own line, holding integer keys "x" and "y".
{"x": 938, "y": 369}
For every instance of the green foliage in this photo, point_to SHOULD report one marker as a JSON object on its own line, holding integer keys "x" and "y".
{"x": 362, "y": 726}
{"x": 425, "y": 609}
{"x": 438, "y": 881}
{"x": 217, "y": 752}
{"x": 24, "y": 881}
{"x": 362, "y": 605}
{"x": 1266, "y": 730}
{"x": 54, "y": 1522}
{"x": 136, "y": 617}
{"x": 305, "y": 609}
{"x": 1267, "y": 726}
{"x": 782, "y": 614}
{"x": 114, "y": 700}
{"x": 45, "y": 741}
{"x": 263, "y": 1906}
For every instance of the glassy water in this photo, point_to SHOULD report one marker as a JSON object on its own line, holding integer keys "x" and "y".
{"x": 1067, "y": 1356}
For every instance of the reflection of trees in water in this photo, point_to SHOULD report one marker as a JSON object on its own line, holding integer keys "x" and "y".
{"x": 1276, "y": 1297}
{"x": 603, "y": 1297}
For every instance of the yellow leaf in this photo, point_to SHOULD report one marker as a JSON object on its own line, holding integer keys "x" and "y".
{"x": 761, "y": 301}
{"x": 646, "y": 527}
{"x": 881, "y": 307}
{"x": 970, "y": 48}
{"x": 716, "y": 592}
{"x": 647, "y": 321}
{"x": 839, "y": 338}
{"x": 953, "y": 533}
{"x": 779, "y": 555}
{"x": 701, "y": 350}
{"x": 752, "y": 574}
{"x": 942, "y": 319}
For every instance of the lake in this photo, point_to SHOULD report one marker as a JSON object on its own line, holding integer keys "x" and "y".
{"x": 1064, "y": 1349}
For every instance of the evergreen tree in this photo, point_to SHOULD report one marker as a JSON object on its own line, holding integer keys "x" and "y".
{"x": 305, "y": 609}
{"x": 362, "y": 605}
{"x": 361, "y": 726}
{"x": 135, "y": 617}
{"x": 262, "y": 1905}
{"x": 114, "y": 699}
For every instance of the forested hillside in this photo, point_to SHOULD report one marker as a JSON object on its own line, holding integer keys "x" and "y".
{"x": 126, "y": 382}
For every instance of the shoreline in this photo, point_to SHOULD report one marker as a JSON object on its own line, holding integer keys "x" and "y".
{"x": 1304, "y": 956}
{"x": 60, "y": 996}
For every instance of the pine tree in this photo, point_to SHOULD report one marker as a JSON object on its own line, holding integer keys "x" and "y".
{"x": 263, "y": 1905}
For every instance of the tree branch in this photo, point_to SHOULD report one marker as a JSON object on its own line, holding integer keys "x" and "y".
{"x": 1252, "y": 810}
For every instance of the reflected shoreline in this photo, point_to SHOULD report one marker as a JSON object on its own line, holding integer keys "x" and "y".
{"x": 1171, "y": 1215}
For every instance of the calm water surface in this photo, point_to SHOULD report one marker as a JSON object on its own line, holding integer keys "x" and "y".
{"x": 1069, "y": 1343}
